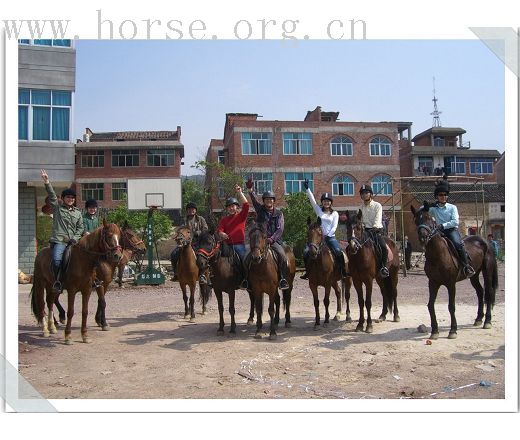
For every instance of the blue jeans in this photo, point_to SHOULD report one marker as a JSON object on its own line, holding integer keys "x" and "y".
{"x": 332, "y": 243}
{"x": 240, "y": 249}
{"x": 57, "y": 253}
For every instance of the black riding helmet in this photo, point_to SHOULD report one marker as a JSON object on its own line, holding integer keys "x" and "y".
{"x": 91, "y": 203}
{"x": 68, "y": 192}
{"x": 442, "y": 186}
{"x": 268, "y": 194}
{"x": 327, "y": 196}
{"x": 232, "y": 201}
{"x": 191, "y": 205}
{"x": 366, "y": 188}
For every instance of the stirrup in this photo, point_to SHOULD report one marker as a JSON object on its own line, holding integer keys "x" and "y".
{"x": 57, "y": 286}
{"x": 244, "y": 284}
{"x": 469, "y": 271}
{"x": 283, "y": 284}
{"x": 203, "y": 280}
{"x": 384, "y": 272}
{"x": 304, "y": 276}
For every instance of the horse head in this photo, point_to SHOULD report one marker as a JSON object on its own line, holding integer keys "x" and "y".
{"x": 109, "y": 242}
{"x": 424, "y": 222}
{"x": 208, "y": 246}
{"x": 355, "y": 231}
{"x": 314, "y": 237}
{"x": 258, "y": 242}
{"x": 131, "y": 241}
{"x": 182, "y": 236}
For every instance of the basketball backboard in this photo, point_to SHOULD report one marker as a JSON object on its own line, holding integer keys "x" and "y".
{"x": 162, "y": 193}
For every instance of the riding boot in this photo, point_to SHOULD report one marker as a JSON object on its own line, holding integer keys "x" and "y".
{"x": 384, "y": 258}
{"x": 245, "y": 272}
{"x": 57, "y": 286}
{"x": 174, "y": 258}
{"x": 340, "y": 261}
{"x": 283, "y": 284}
{"x": 305, "y": 275}
{"x": 468, "y": 269}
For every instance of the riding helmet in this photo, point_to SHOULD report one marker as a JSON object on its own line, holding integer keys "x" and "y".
{"x": 442, "y": 186}
{"x": 68, "y": 192}
{"x": 232, "y": 201}
{"x": 91, "y": 203}
{"x": 191, "y": 205}
{"x": 366, "y": 188}
{"x": 268, "y": 194}
{"x": 327, "y": 196}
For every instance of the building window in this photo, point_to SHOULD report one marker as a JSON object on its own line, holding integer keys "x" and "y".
{"x": 341, "y": 146}
{"x": 342, "y": 186}
{"x": 221, "y": 192}
{"x": 221, "y": 157}
{"x": 262, "y": 182}
{"x": 380, "y": 146}
{"x": 44, "y": 115}
{"x": 297, "y": 143}
{"x": 294, "y": 182}
{"x": 256, "y": 143}
{"x": 160, "y": 158}
{"x": 382, "y": 185}
{"x": 58, "y": 43}
{"x": 125, "y": 158}
{"x": 92, "y": 191}
{"x": 455, "y": 165}
{"x": 481, "y": 165}
{"x": 425, "y": 161}
{"x": 93, "y": 159}
{"x": 119, "y": 191}
{"x": 438, "y": 141}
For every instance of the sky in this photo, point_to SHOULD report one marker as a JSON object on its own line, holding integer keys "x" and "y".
{"x": 158, "y": 85}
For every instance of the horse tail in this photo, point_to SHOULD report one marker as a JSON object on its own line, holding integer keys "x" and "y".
{"x": 388, "y": 293}
{"x": 37, "y": 305}
{"x": 205, "y": 294}
{"x": 494, "y": 282}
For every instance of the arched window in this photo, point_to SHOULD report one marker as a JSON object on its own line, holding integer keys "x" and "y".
{"x": 341, "y": 146}
{"x": 380, "y": 146}
{"x": 382, "y": 185}
{"x": 342, "y": 186}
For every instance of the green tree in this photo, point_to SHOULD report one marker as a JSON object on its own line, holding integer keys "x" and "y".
{"x": 295, "y": 214}
{"x": 43, "y": 230}
{"x": 194, "y": 191}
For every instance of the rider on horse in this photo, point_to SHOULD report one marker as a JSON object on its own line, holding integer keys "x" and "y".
{"x": 67, "y": 226}
{"x": 372, "y": 218}
{"x": 329, "y": 223}
{"x": 447, "y": 218}
{"x": 273, "y": 218}
{"x": 197, "y": 225}
{"x": 91, "y": 223}
{"x": 232, "y": 228}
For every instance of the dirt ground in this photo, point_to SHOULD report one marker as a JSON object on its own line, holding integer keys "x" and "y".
{"x": 151, "y": 351}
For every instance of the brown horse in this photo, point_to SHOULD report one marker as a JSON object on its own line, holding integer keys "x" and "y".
{"x": 263, "y": 278}
{"x": 443, "y": 269}
{"x": 188, "y": 273}
{"x": 219, "y": 258}
{"x": 104, "y": 242}
{"x": 322, "y": 272}
{"x": 364, "y": 269}
{"x": 131, "y": 245}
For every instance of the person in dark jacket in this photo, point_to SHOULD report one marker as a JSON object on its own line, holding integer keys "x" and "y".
{"x": 67, "y": 226}
{"x": 273, "y": 218}
{"x": 90, "y": 218}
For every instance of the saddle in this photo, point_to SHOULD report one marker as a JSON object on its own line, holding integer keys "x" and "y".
{"x": 454, "y": 253}
{"x": 227, "y": 251}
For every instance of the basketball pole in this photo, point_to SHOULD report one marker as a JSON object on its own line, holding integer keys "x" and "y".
{"x": 150, "y": 276}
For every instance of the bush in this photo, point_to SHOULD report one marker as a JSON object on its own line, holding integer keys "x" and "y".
{"x": 43, "y": 230}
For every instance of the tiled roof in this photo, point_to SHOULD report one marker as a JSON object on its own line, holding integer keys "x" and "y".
{"x": 459, "y": 192}
{"x": 112, "y": 136}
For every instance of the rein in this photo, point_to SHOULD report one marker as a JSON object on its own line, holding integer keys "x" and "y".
{"x": 130, "y": 246}
{"x": 208, "y": 255}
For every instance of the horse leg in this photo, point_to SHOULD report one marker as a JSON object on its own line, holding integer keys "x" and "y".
{"x": 100, "y": 312}
{"x": 220, "y": 304}
{"x": 61, "y": 310}
{"x": 185, "y": 299}
{"x": 489, "y": 292}
{"x": 358, "y": 285}
{"x": 287, "y": 305}
{"x": 338, "y": 302}
{"x": 70, "y": 314}
{"x": 276, "y": 308}
{"x": 394, "y": 296}
{"x": 120, "y": 269}
{"x": 384, "y": 310}
{"x": 192, "y": 301}
{"x": 451, "y": 307}
{"x": 274, "y": 302}
{"x": 251, "y": 318}
{"x": 433, "y": 287}
{"x": 475, "y": 282}
{"x": 232, "y": 330}
{"x": 259, "y": 305}
{"x": 85, "y": 296}
{"x": 48, "y": 326}
{"x": 368, "y": 305}
{"x": 316, "y": 300}
{"x": 326, "y": 302}
{"x": 345, "y": 286}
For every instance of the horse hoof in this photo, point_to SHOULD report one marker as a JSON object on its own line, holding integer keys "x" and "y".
{"x": 336, "y": 318}
{"x": 220, "y": 332}
{"x": 452, "y": 335}
{"x": 68, "y": 341}
{"x": 46, "y": 334}
{"x": 232, "y": 334}
{"x": 369, "y": 329}
{"x": 487, "y": 325}
{"x": 382, "y": 318}
{"x": 105, "y": 328}
{"x": 192, "y": 320}
{"x": 87, "y": 340}
{"x": 477, "y": 323}
{"x": 288, "y": 325}
{"x": 53, "y": 331}
{"x": 348, "y": 319}
{"x": 186, "y": 316}
{"x": 63, "y": 321}
{"x": 316, "y": 327}
{"x": 359, "y": 328}
{"x": 250, "y": 322}
{"x": 258, "y": 336}
{"x": 397, "y": 319}
{"x": 434, "y": 336}
{"x": 325, "y": 324}
{"x": 273, "y": 337}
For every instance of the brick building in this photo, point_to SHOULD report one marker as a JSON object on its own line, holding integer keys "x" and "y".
{"x": 105, "y": 162}
{"x": 336, "y": 156}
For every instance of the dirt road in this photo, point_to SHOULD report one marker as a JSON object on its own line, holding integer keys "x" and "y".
{"x": 151, "y": 351}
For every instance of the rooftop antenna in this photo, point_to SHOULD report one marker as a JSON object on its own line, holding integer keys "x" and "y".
{"x": 436, "y": 112}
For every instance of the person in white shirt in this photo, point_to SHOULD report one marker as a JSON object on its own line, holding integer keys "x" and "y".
{"x": 329, "y": 222}
{"x": 372, "y": 218}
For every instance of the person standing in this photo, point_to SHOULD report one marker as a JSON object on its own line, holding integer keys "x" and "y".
{"x": 494, "y": 245}
{"x": 407, "y": 246}
{"x": 67, "y": 226}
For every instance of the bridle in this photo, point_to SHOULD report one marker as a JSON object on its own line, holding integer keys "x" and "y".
{"x": 128, "y": 244}
{"x": 316, "y": 247}
{"x": 263, "y": 252}
{"x": 355, "y": 244}
{"x": 182, "y": 240}
{"x": 431, "y": 231}
{"x": 209, "y": 255}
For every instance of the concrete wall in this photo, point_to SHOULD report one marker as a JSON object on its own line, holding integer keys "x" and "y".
{"x": 26, "y": 228}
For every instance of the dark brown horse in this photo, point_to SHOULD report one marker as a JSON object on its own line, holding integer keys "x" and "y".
{"x": 188, "y": 273}
{"x": 104, "y": 242}
{"x": 263, "y": 278}
{"x": 131, "y": 245}
{"x": 322, "y": 272}
{"x": 364, "y": 269}
{"x": 443, "y": 269}
{"x": 225, "y": 275}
